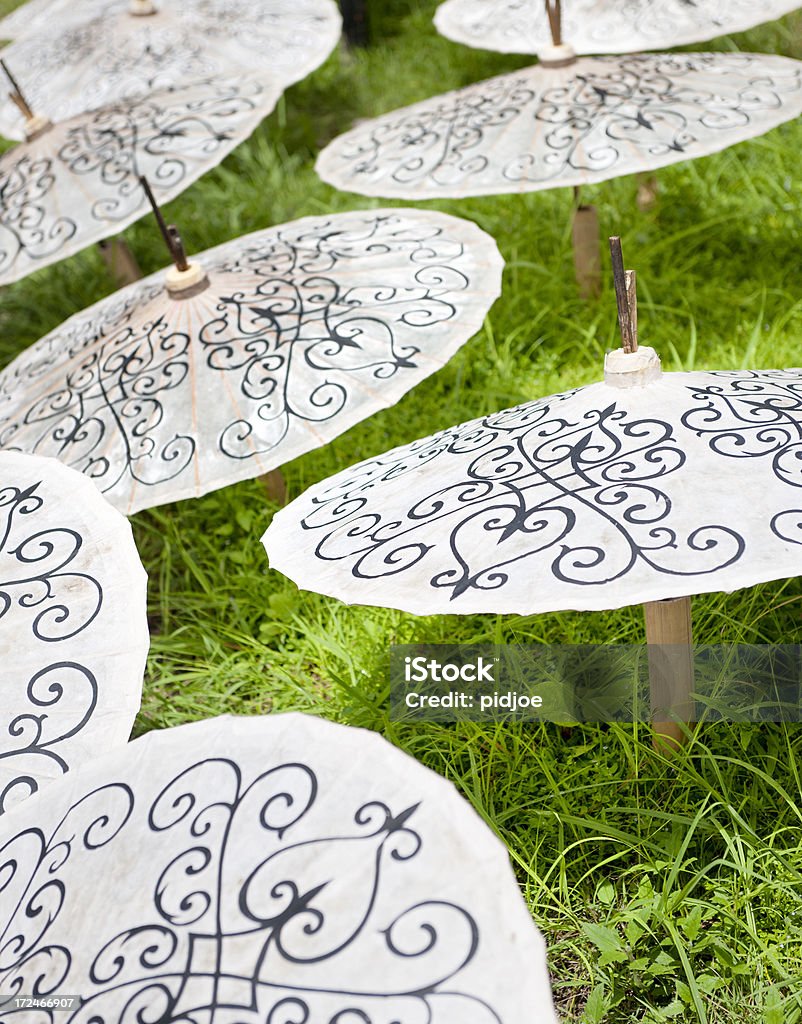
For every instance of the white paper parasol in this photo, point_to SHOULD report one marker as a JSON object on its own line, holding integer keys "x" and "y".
{"x": 78, "y": 182}
{"x": 73, "y": 626}
{"x": 645, "y": 488}
{"x": 548, "y": 126}
{"x": 596, "y": 498}
{"x": 73, "y": 64}
{"x": 601, "y": 26}
{"x": 266, "y": 870}
{"x": 298, "y": 333}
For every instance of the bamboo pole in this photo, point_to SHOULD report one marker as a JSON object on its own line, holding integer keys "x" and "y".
{"x": 670, "y": 651}
{"x": 648, "y": 191}
{"x": 587, "y": 250}
{"x": 356, "y": 24}
{"x": 275, "y": 486}
{"x": 120, "y": 261}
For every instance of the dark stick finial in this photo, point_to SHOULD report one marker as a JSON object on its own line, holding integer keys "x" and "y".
{"x": 625, "y": 298}
{"x": 169, "y": 232}
{"x": 16, "y": 94}
{"x": 554, "y": 12}
{"x": 179, "y": 254}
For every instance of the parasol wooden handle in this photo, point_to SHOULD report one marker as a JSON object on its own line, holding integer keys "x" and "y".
{"x": 648, "y": 190}
{"x": 670, "y": 652}
{"x": 587, "y": 252}
{"x": 121, "y": 262}
{"x": 275, "y": 486}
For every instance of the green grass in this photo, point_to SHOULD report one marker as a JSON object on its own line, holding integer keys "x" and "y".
{"x": 667, "y": 891}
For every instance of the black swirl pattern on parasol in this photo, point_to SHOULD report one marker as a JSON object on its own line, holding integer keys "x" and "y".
{"x": 166, "y": 137}
{"x": 599, "y": 119}
{"x": 103, "y": 416}
{"x": 58, "y": 601}
{"x": 25, "y": 224}
{"x": 33, "y": 736}
{"x": 538, "y": 486}
{"x": 756, "y": 415}
{"x": 296, "y": 329}
{"x": 258, "y": 912}
{"x": 33, "y": 894}
{"x": 36, "y": 569}
{"x": 117, "y": 144}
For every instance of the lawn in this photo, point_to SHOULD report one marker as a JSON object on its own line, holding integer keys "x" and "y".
{"x": 667, "y": 890}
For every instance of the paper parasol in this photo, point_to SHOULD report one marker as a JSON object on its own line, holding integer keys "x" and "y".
{"x": 298, "y": 333}
{"x": 78, "y": 182}
{"x": 73, "y": 626}
{"x": 549, "y": 126}
{"x": 596, "y": 498}
{"x": 260, "y": 870}
{"x": 600, "y": 26}
{"x": 644, "y": 488}
{"x": 71, "y": 65}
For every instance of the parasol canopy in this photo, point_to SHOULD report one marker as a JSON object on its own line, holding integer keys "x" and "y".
{"x": 277, "y": 869}
{"x": 600, "y": 26}
{"x": 34, "y": 15}
{"x": 88, "y": 55}
{"x": 77, "y": 182}
{"x": 608, "y": 495}
{"x": 73, "y": 626}
{"x": 552, "y": 126}
{"x": 267, "y": 347}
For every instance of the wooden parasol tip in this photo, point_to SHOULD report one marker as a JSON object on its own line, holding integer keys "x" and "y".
{"x": 35, "y": 125}
{"x": 625, "y": 297}
{"x": 554, "y": 14}
{"x": 184, "y": 279}
{"x": 16, "y": 94}
{"x": 559, "y": 54}
{"x": 179, "y": 253}
{"x": 170, "y": 234}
